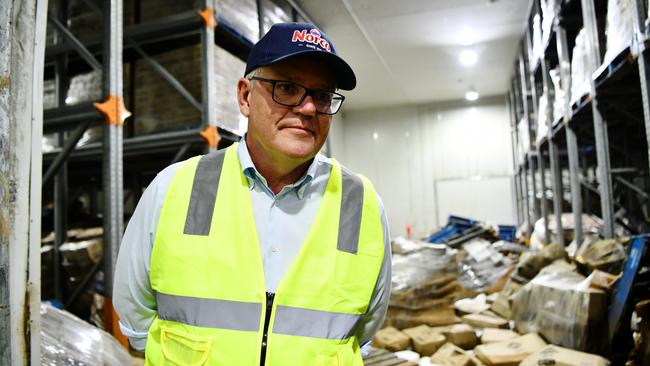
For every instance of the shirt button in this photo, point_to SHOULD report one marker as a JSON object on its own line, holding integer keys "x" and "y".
{"x": 276, "y": 203}
{"x": 274, "y": 249}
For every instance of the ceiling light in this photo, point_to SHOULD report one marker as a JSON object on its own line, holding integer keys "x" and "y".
{"x": 471, "y": 95}
{"x": 375, "y": 135}
{"x": 468, "y": 58}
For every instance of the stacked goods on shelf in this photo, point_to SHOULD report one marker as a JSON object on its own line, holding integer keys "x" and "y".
{"x": 524, "y": 139}
{"x": 538, "y": 47}
{"x": 580, "y": 72}
{"x": 620, "y": 27}
{"x": 591, "y": 226}
{"x": 560, "y": 94}
{"x": 549, "y": 10}
{"x": 68, "y": 340}
{"x": 159, "y": 107}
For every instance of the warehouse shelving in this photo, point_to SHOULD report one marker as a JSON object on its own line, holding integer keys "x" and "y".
{"x": 600, "y": 141}
{"x": 127, "y": 159}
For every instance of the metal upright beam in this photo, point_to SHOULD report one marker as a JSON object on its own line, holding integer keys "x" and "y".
{"x": 208, "y": 50}
{"x": 556, "y": 171}
{"x": 114, "y": 113}
{"x": 600, "y": 125}
{"x": 540, "y": 156}
{"x": 644, "y": 65}
{"x": 571, "y": 138}
{"x": 59, "y": 16}
{"x": 22, "y": 36}
{"x": 510, "y": 105}
{"x": 532, "y": 207}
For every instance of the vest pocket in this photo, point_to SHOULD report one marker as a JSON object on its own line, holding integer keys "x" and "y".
{"x": 183, "y": 349}
{"x": 343, "y": 357}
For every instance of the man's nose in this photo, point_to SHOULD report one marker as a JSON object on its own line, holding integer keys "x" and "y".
{"x": 307, "y": 107}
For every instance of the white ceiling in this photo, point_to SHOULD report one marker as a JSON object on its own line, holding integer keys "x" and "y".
{"x": 416, "y": 46}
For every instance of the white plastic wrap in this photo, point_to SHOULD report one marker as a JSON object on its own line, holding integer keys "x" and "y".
{"x": 228, "y": 70}
{"x": 560, "y": 94}
{"x": 549, "y": 9}
{"x": 483, "y": 266}
{"x": 68, "y": 340}
{"x": 620, "y": 27}
{"x": 273, "y": 14}
{"x": 542, "y": 118}
{"x": 524, "y": 138}
{"x": 580, "y": 73}
{"x": 538, "y": 47}
{"x": 241, "y": 15}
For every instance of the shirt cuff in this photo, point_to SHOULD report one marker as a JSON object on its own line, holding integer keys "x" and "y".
{"x": 138, "y": 340}
{"x": 366, "y": 349}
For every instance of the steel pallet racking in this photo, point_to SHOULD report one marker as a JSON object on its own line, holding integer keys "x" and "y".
{"x": 594, "y": 155}
{"x": 71, "y": 166}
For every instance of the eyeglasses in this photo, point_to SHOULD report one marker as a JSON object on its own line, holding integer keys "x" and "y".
{"x": 291, "y": 94}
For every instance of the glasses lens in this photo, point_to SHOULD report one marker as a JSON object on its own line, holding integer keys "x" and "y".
{"x": 329, "y": 105}
{"x": 288, "y": 93}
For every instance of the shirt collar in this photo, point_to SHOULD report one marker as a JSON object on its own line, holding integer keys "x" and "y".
{"x": 254, "y": 177}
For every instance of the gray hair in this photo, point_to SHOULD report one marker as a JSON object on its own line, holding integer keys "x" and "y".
{"x": 252, "y": 74}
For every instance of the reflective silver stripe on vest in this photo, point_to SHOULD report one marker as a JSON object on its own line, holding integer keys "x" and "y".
{"x": 314, "y": 323}
{"x": 210, "y": 313}
{"x": 204, "y": 194}
{"x": 351, "y": 207}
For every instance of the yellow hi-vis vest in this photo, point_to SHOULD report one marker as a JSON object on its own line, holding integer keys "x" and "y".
{"x": 206, "y": 270}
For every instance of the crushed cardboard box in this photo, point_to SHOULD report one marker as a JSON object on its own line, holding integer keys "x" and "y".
{"x": 402, "y": 318}
{"x": 558, "y": 356}
{"x": 425, "y": 341}
{"x": 451, "y": 355}
{"x": 485, "y": 321}
{"x": 509, "y": 353}
{"x": 391, "y": 339}
{"x": 493, "y": 335}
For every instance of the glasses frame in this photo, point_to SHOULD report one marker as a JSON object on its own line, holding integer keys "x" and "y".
{"x": 302, "y": 99}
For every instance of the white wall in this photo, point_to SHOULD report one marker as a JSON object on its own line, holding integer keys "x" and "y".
{"x": 429, "y": 161}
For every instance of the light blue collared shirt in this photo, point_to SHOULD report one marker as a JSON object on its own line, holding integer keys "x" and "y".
{"x": 293, "y": 207}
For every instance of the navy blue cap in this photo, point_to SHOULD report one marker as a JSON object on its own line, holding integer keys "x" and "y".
{"x": 286, "y": 40}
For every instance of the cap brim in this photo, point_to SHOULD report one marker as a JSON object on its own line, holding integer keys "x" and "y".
{"x": 345, "y": 78}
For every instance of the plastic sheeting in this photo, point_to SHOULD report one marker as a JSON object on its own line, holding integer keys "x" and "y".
{"x": 68, "y": 340}
{"x": 549, "y": 9}
{"x": 524, "y": 138}
{"x": 273, "y": 14}
{"x": 241, "y": 15}
{"x": 483, "y": 267}
{"x": 620, "y": 27}
{"x": 557, "y": 305}
{"x": 580, "y": 73}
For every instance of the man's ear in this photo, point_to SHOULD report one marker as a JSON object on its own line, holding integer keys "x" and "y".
{"x": 243, "y": 96}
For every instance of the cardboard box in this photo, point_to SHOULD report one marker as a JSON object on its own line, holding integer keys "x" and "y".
{"x": 484, "y": 321}
{"x": 451, "y": 355}
{"x": 424, "y": 340}
{"x": 391, "y": 339}
{"x": 509, "y": 353}
{"x": 558, "y": 356}
{"x": 462, "y": 335}
{"x": 493, "y": 335}
{"x": 402, "y": 318}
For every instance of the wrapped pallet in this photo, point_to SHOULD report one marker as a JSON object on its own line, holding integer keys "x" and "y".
{"x": 424, "y": 285}
{"x": 560, "y": 94}
{"x": 241, "y": 15}
{"x": 620, "y": 27}
{"x": 68, "y": 340}
{"x": 538, "y": 47}
{"x": 524, "y": 138}
{"x": 549, "y": 11}
{"x": 558, "y": 305}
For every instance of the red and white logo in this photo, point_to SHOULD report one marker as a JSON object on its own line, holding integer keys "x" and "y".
{"x": 313, "y": 37}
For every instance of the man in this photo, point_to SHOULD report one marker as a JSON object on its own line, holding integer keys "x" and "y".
{"x": 265, "y": 253}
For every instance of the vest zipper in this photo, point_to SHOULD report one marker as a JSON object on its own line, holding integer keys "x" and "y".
{"x": 267, "y": 320}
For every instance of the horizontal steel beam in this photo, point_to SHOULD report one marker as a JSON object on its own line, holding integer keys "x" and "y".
{"x": 65, "y": 152}
{"x": 57, "y": 119}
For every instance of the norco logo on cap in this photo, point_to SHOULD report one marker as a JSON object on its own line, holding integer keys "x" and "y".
{"x": 313, "y": 36}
